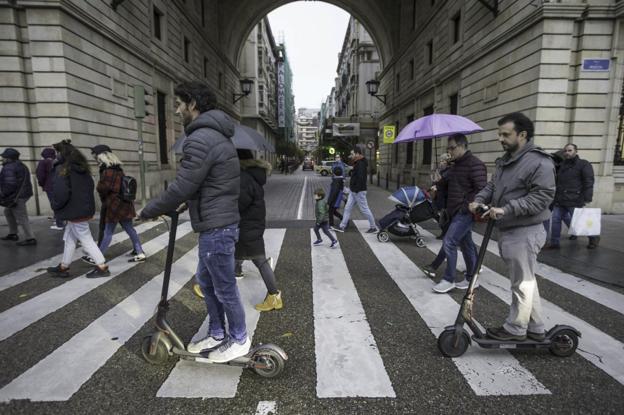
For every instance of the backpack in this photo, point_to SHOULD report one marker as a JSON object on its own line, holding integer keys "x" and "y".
{"x": 128, "y": 189}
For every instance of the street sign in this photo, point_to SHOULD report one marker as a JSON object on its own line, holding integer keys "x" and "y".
{"x": 389, "y": 134}
{"x": 370, "y": 145}
{"x": 596, "y": 65}
{"x": 332, "y": 150}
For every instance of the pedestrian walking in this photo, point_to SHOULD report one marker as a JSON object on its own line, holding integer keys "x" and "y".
{"x": 208, "y": 180}
{"x": 521, "y": 189}
{"x": 117, "y": 210}
{"x": 339, "y": 163}
{"x": 44, "y": 179}
{"x": 73, "y": 201}
{"x": 357, "y": 191}
{"x": 15, "y": 190}
{"x": 321, "y": 213}
{"x": 464, "y": 179}
{"x": 575, "y": 189}
{"x": 336, "y": 191}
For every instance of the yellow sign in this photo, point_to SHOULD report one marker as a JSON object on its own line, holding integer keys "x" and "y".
{"x": 389, "y": 134}
{"x": 332, "y": 150}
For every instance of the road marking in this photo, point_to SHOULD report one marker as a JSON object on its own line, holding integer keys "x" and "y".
{"x": 24, "y": 274}
{"x": 61, "y": 374}
{"x": 24, "y": 314}
{"x": 301, "y": 199}
{"x": 348, "y": 363}
{"x": 266, "y": 408}
{"x": 597, "y": 347}
{"x": 494, "y": 372}
{"x": 601, "y": 295}
{"x": 190, "y": 379}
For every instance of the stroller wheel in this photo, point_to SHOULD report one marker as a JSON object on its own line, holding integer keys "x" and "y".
{"x": 420, "y": 242}
{"x": 383, "y": 236}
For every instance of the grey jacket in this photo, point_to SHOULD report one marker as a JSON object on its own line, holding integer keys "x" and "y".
{"x": 523, "y": 185}
{"x": 208, "y": 177}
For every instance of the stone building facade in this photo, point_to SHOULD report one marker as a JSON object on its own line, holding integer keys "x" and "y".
{"x": 307, "y": 127}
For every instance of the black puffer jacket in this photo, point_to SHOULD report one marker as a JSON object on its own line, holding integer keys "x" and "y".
{"x": 575, "y": 183}
{"x": 72, "y": 194}
{"x": 251, "y": 200}
{"x": 464, "y": 179}
{"x": 208, "y": 177}
{"x": 357, "y": 183}
{"x": 14, "y": 178}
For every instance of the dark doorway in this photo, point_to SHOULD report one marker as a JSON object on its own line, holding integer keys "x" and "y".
{"x": 427, "y": 144}
{"x": 161, "y": 99}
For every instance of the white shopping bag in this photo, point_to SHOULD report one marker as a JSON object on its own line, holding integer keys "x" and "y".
{"x": 585, "y": 222}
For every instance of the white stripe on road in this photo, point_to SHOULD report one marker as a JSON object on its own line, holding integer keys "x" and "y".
{"x": 266, "y": 408}
{"x": 190, "y": 379}
{"x": 348, "y": 363}
{"x": 597, "y": 347}
{"x": 28, "y": 312}
{"x": 64, "y": 371}
{"x": 302, "y": 198}
{"x": 488, "y": 372}
{"x": 601, "y": 295}
{"x": 31, "y": 271}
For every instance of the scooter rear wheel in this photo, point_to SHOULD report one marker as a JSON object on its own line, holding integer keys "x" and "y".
{"x": 564, "y": 343}
{"x": 420, "y": 242}
{"x": 383, "y": 236}
{"x": 450, "y": 346}
{"x": 161, "y": 355}
{"x": 267, "y": 362}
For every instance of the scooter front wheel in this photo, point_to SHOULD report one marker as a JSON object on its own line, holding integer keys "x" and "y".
{"x": 383, "y": 236}
{"x": 267, "y": 362}
{"x": 160, "y": 354}
{"x": 452, "y": 346}
{"x": 420, "y": 242}
{"x": 563, "y": 343}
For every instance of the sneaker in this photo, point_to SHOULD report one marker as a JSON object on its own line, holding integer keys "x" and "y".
{"x": 338, "y": 229}
{"x": 137, "y": 258}
{"x": 372, "y": 230}
{"x": 538, "y": 337}
{"x": 334, "y": 244}
{"x": 197, "y": 290}
{"x": 207, "y": 344}
{"x": 10, "y": 237}
{"x": 444, "y": 286}
{"x": 230, "y": 350}
{"x": 499, "y": 333}
{"x": 572, "y": 237}
{"x": 98, "y": 272}
{"x": 239, "y": 275}
{"x": 88, "y": 260}
{"x": 133, "y": 253}
{"x": 317, "y": 242}
{"x": 271, "y": 302}
{"x": 58, "y": 271}
{"x": 463, "y": 284}
{"x": 429, "y": 271}
{"x": 27, "y": 242}
{"x": 56, "y": 228}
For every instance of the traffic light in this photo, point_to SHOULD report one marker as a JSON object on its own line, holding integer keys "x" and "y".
{"x": 141, "y": 102}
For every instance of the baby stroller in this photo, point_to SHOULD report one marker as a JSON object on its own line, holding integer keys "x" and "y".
{"x": 413, "y": 205}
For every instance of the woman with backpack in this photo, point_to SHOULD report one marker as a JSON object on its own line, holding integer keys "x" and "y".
{"x": 115, "y": 204}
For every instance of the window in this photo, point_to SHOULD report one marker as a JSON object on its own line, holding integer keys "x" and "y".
{"x": 220, "y": 80}
{"x": 161, "y": 100}
{"x": 261, "y": 95}
{"x": 158, "y": 23}
{"x": 205, "y": 67}
{"x": 427, "y": 144}
{"x": 454, "y": 104}
{"x": 202, "y": 10}
{"x": 396, "y": 146}
{"x": 411, "y": 69}
{"x": 397, "y": 85}
{"x": 409, "y": 147}
{"x": 413, "y": 14}
{"x": 456, "y": 27}
{"x": 187, "y": 48}
{"x": 429, "y": 51}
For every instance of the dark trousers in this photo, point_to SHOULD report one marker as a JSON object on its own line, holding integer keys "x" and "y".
{"x": 333, "y": 211}
{"x": 325, "y": 227}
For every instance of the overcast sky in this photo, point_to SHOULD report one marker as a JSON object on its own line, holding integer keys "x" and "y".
{"x": 313, "y": 32}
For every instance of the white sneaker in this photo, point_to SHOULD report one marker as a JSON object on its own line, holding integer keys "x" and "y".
{"x": 209, "y": 343}
{"x": 271, "y": 262}
{"x": 463, "y": 284}
{"x": 137, "y": 258}
{"x": 56, "y": 228}
{"x": 443, "y": 286}
{"x": 229, "y": 350}
{"x": 88, "y": 260}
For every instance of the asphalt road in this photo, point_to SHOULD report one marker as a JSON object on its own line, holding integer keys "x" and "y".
{"x": 376, "y": 353}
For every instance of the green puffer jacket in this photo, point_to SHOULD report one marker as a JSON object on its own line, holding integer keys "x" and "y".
{"x": 321, "y": 211}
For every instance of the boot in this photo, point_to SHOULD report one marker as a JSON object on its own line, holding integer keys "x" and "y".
{"x": 271, "y": 302}
{"x": 594, "y": 241}
{"x": 10, "y": 237}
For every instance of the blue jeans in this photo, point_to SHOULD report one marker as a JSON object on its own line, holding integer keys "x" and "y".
{"x": 559, "y": 214}
{"x": 215, "y": 275}
{"x": 360, "y": 199}
{"x": 325, "y": 227}
{"x": 109, "y": 228}
{"x": 459, "y": 234}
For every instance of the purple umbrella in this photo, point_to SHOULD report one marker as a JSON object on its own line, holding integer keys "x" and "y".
{"x": 436, "y": 125}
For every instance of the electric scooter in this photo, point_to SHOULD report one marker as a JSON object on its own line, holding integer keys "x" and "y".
{"x": 561, "y": 340}
{"x": 267, "y": 360}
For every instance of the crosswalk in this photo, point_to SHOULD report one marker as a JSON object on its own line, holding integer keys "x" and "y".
{"x": 348, "y": 360}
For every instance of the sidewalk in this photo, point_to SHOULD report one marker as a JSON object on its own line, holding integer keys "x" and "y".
{"x": 604, "y": 264}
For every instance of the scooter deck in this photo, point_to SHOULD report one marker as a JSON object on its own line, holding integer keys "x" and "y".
{"x": 203, "y": 358}
{"x": 488, "y": 343}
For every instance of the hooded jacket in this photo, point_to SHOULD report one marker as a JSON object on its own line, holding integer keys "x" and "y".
{"x": 14, "y": 179}
{"x": 208, "y": 177}
{"x": 523, "y": 184}
{"x": 44, "y": 169}
{"x": 251, "y": 204}
{"x": 72, "y": 194}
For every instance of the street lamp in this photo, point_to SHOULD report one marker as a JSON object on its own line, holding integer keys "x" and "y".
{"x": 372, "y": 87}
{"x": 245, "y": 85}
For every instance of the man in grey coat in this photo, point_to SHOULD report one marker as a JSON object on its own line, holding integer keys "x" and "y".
{"x": 208, "y": 180}
{"x": 520, "y": 192}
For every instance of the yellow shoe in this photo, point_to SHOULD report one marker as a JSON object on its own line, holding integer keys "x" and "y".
{"x": 271, "y": 302}
{"x": 197, "y": 290}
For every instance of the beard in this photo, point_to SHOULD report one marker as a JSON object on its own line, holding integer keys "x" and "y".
{"x": 186, "y": 118}
{"x": 510, "y": 148}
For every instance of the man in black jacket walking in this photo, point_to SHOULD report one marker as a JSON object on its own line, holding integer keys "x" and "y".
{"x": 15, "y": 190}
{"x": 357, "y": 186}
{"x": 575, "y": 188}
